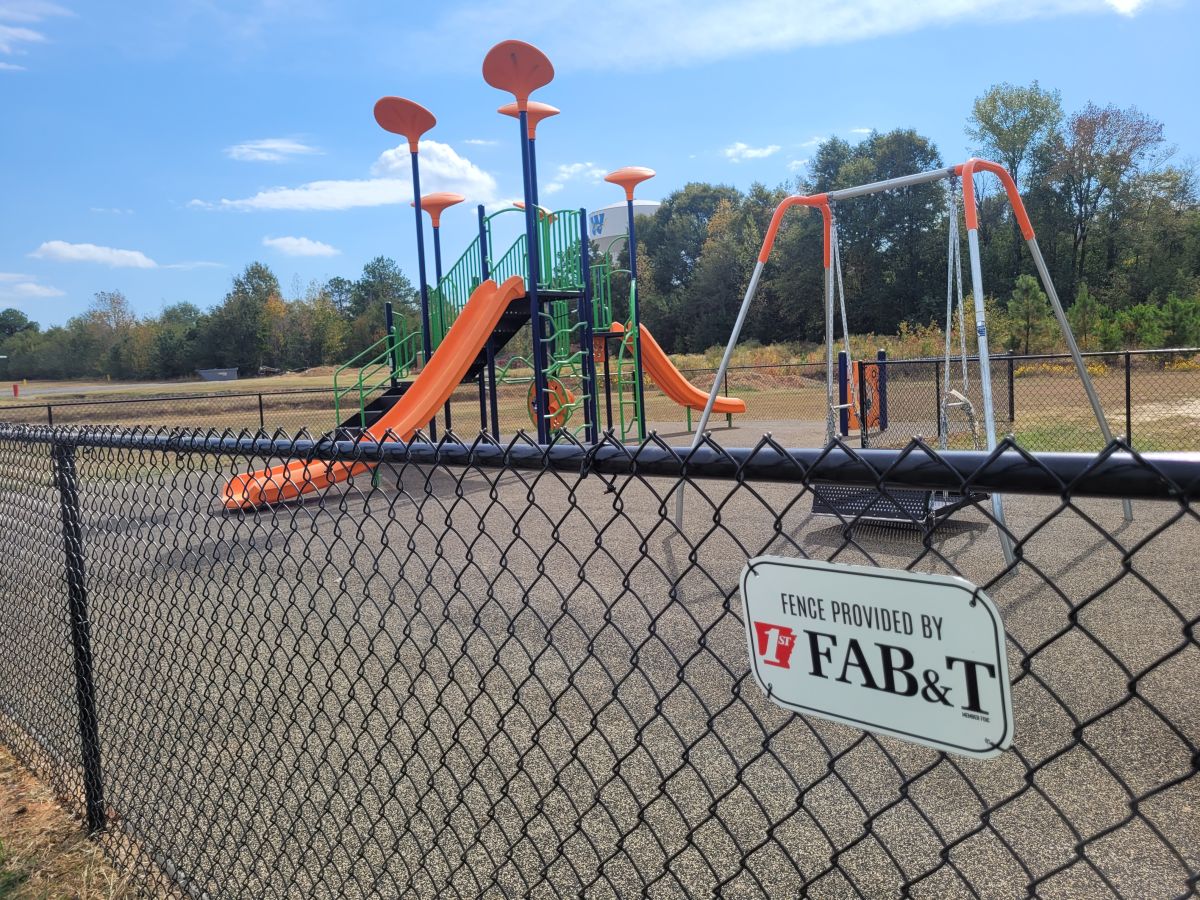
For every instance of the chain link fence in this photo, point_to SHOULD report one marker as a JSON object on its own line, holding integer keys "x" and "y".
{"x": 501, "y": 670}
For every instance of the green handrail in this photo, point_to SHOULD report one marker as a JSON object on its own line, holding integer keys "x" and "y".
{"x": 627, "y": 360}
{"x": 396, "y": 360}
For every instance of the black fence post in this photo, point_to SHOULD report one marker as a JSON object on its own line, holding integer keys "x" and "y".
{"x": 864, "y": 427}
{"x": 49, "y": 414}
{"x": 262, "y": 419}
{"x": 81, "y": 634}
{"x": 1012, "y": 393}
{"x": 1128, "y": 398}
{"x": 937, "y": 395}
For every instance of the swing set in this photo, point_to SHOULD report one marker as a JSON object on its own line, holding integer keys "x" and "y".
{"x": 926, "y": 508}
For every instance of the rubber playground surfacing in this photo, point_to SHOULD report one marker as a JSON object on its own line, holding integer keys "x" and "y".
{"x": 495, "y": 683}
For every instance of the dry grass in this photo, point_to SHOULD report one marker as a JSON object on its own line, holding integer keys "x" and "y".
{"x": 44, "y": 852}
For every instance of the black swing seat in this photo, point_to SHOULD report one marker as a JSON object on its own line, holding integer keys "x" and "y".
{"x": 899, "y": 506}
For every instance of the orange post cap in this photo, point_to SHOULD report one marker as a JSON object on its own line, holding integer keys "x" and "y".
{"x": 437, "y": 203}
{"x": 400, "y": 116}
{"x": 534, "y": 112}
{"x": 629, "y": 177}
{"x": 519, "y": 68}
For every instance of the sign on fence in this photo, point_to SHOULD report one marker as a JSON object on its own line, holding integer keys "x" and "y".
{"x": 915, "y": 656}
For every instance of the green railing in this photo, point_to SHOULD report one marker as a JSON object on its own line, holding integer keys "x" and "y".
{"x": 627, "y": 364}
{"x": 389, "y": 357}
{"x": 561, "y": 269}
{"x": 447, "y": 300}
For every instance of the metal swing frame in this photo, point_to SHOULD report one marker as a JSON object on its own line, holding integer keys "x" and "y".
{"x": 966, "y": 172}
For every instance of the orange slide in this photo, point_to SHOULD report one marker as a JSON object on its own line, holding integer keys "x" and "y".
{"x": 659, "y": 367}
{"x": 420, "y": 403}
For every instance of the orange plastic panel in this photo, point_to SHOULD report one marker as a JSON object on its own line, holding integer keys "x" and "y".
{"x": 519, "y": 68}
{"x": 436, "y": 204}
{"x": 871, "y": 377}
{"x": 534, "y": 113}
{"x": 967, "y": 171}
{"x": 400, "y": 116}
{"x": 629, "y": 177}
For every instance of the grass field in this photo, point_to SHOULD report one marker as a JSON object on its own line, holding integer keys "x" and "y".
{"x": 1052, "y": 412}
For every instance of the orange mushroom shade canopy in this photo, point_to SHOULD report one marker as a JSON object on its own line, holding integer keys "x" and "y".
{"x": 438, "y": 203}
{"x": 519, "y": 68}
{"x": 629, "y": 177}
{"x": 400, "y": 116}
{"x": 534, "y": 112}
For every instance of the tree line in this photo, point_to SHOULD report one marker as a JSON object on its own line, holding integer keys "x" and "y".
{"x": 254, "y": 328}
{"x": 1117, "y": 219}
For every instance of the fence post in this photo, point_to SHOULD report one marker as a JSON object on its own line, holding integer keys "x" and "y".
{"x": 81, "y": 634}
{"x": 728, "y": 416}
{"x": 937, "y": 396}
{"x": 881, "y": 363}
{"x": 1012, "y": 393}
{"x": 1128, "y": 399}
{"x": 49, "y": 414}
{"x": 864, "y": 426}
{"x": 262, "y": 419}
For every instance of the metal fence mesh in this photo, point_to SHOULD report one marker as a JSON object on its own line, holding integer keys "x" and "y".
{"x": 509, "y": 672}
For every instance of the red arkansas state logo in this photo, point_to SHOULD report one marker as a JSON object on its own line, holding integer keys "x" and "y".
{"x": 775, "y": 644}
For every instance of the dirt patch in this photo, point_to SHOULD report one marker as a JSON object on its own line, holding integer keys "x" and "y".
{"x": 44, "y": 852}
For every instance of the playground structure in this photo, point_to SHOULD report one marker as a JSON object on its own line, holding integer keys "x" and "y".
{"x": 546, "y": 279}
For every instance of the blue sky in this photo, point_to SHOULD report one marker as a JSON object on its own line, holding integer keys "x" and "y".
{"x": 157, "y": 149}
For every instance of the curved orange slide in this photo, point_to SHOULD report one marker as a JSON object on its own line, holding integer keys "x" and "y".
{"x": 420, "y": 403}
{"x": 659, "y": 366}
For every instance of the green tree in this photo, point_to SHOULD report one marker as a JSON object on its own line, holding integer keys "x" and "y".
{"x": 1085, "y": 316}
{"x": 13, "y": 321}
{"x": 1028, "y": 311}
{"x": 1181, "y": 321}
{"x": 236, "y": 332}
{"x": 1010, "y": 124}
{"x": 382, "y": 282}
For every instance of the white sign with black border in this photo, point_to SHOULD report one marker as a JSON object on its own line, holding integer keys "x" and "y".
{"x": 916, "y": 656}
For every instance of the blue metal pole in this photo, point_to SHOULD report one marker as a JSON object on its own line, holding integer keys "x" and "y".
{"x": 441, "y": 301}
{"x": 588, "y": 337}
{"x": 390, "y": 324}
{"x": 533, "y": 170}
{"x": 535, "y": 311}
{"x": 485, "y": 273}
{"x": 636, "y": 324}
{"x": 425, "y": 335}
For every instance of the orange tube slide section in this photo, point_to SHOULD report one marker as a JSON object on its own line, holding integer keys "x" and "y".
{"x": 419, "y": 404}
{"x": 656, "y": 362}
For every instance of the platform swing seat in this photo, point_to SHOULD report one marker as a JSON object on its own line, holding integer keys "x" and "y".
{"x": 893, "y": 507}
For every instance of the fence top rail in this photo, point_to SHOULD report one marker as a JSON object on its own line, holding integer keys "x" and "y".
{"x": 1117, "y": 471}
{"x": 1005, "y": 358}
{"x": 162, "y": 398}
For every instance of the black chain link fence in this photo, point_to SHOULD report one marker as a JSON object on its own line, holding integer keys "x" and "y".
{"x": 484, "y": 670}
{"x": 1150, "y": 397}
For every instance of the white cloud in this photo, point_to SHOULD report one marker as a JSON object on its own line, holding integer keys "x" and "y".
{"x": 62, "y": 251}
{"x": 796, "y": 165}
{"x": 672, "y": 33}
{"x": 813, "y": 141}
{"x": 481, "y": 142}
{"x": 300, "y": 246}
{"x": 270, "y": 150}
{"x": 16, "y": 286}
{"x": 112, "y": 210}
{"x": 442, "y": 169}
{"x": 15, "y": 38}
{"x": 738, "y": 151}
{"x": 580, "y": 171}
{"x": 860, "y": 130}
